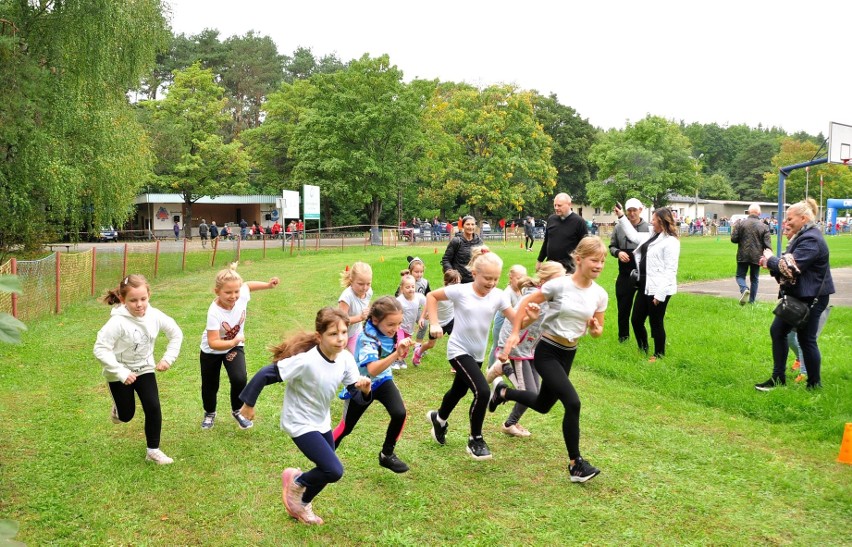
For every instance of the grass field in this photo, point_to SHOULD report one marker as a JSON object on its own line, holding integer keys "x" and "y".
{"x": 690, "y": 453}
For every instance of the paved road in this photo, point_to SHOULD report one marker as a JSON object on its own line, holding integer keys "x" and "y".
{"x": 768, "y": 288}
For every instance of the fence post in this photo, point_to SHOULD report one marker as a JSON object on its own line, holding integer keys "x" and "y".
{"x": 94, "y": 267}
{"x": 317, "y": 240}
{"x": 183, "y": 260}
{"x": 215, "y": 246}
{"x": 263, "y": 236}
{"x": 58, "y": 306}
{"x": 14, "y": 295}
{"x": 239, "y": 246}
{"x": 124, "y": 265}
{"x": 292, "y": 243}
{"x": 157, "y": 258}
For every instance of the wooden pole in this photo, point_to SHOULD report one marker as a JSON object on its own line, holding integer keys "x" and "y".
{"x": 124, "y": 263}
{"x": 215, "y": 247}
{"x": 94, "y": 267}
{"x": 15, "y": 295}
{"x": 157, "y": 258}
{"x": 183, "y": 260}
{"x": 58, "y": 305}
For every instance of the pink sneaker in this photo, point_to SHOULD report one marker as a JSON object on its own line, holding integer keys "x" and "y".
{"x": 292, "y": 491}
{"x": 417, "y": 357}
{"x": 308, "y": 516}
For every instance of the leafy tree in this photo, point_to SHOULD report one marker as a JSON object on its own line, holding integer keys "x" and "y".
{"x": 492, "y": 152}
{"x": 72, "y": 155}
{"x": 748, "y": 167}
{"x": 651, "y": 159}
{"x": 838, "y": 178}
{"x": 572, "y": 138}
{"x": 186, "y": 127}
{"x": 359, "y": 138}
{"x": 716, "y": 186}
{"x": 303, "y": 64}
{"x": 253, "y": 69}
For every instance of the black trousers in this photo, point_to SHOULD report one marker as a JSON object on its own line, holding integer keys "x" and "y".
{"x": 211, "y": 367}
{"x": 625, "y": 294}
{"x": 145, "y": 387}
{"x": 468, "y": 376}
{"x": 644, "y": 308}
{"x": 389, "y": 396}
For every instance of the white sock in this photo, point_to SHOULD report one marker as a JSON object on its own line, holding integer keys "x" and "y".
{"x": 440, "y": 421}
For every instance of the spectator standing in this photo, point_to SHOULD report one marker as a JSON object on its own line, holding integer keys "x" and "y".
{"x": 458, "y": 253}
{"x": 622, "y": 248}
{"x": 214, "y": 231}
{"x": 563, "y": 232}
{"x": 752, "y": 238}
{"x": 203, "y": 230}
{"x": 243, "y": 228}
{"x": 176, "y": 229}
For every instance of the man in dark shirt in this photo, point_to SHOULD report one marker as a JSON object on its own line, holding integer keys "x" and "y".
{"x": 563, "y": 233}
{"x": 752, "y": 237}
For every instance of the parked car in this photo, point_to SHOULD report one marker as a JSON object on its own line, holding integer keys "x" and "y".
{"x": 108, "y": 233}
{"x": 486, "y": 227}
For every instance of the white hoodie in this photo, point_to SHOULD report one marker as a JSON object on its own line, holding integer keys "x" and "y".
{"x": 126, "y": 343}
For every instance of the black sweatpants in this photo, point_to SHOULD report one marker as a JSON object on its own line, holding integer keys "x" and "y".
{"x": 149, "y": 395}
{"x": 553, "y": 364}
{"x": 387, "y": 394}
{"x": 625, "y": 294}
{"x": 211, "y": 367}
{"x": 468, "y": 376}
{"x": 644, "y": 308}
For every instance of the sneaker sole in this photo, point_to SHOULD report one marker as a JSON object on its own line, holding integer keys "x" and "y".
{"x": 475, "y": 457}
{"x": 492, "y": 403}
{"x": 584, "y": 479}
{"x": 287, "y": 477}
{"x": 432, "y": 425}
{"x": 398, "y": 471}
{"x": 764, "y": 389}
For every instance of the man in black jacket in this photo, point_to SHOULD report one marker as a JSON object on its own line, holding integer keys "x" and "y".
{"x": 563, "y": 233}
{"x": 622, "y": 248}
{"x": 752, "y": 237}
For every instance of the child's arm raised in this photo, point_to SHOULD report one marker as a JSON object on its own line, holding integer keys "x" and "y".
{"x": 263, "y": 285}
{"x": 262, "y": 378}
{"x": 399, "y": 352}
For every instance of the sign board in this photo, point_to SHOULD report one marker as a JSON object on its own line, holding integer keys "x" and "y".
{"x": 289, "y": 204}
{"x": 312, "y": 201}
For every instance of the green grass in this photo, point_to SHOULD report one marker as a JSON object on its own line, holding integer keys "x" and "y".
{"x": 690, "y": 452}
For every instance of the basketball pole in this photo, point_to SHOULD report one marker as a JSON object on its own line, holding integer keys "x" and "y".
{"x": 783, "y": 173}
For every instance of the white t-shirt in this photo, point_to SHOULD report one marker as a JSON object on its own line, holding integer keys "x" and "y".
{"x": 473, "y": 314}
{"x": 356, "y": 306}
{"x": 411, "y": 311}
{"x": 445, "y": 312}
{"x": 312, "y": 382}
{"x": 229, "y": 323}
{"x": 571, "y": 307}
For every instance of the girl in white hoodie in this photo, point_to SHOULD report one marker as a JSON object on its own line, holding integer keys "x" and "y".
{"x": 125, "y": 348}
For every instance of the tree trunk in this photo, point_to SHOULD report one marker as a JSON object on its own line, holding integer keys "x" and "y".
{"x": 187, "y": 216}
{"x": 375, "y": 211}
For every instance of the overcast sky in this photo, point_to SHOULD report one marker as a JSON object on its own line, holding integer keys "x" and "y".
{"x": 778, "y": 63}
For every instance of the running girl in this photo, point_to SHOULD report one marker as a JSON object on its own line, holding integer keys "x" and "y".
{"x": 375, "y": 352}
{"x": 417, "y": 269}
{"x": 576, "y": 306}
{"x": 125, "y": 348}
{"x": 223, "y": 340}
{"x": 411, "y": 303}
{"x": 355, "y": 299}
{"x": 475, "y": 304}
{"x": 313, "y": 365}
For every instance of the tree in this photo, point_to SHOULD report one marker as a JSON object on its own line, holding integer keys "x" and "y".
{"x": 572, "y": 138}
{"x": 748, "y": 167}
{"x": 72, "y": 155}
{"x": 186, "y": 128}
{"x": 359, "y": 138}
{"x": 492, "y": 151}
{"x": 650, "y": 159}
{"x": 716, "y": 186}
{"x": 838, "y": 178}
{"x": 253, "y": 69}
{"x": 303, "y": 64}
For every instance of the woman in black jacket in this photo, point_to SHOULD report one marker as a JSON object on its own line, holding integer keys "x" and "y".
{"x": 457, "y": 255}
{"x": 803, "y": 272}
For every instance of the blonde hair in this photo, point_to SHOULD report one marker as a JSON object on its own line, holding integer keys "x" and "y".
{"x": 406, "y": 278}
{"x": 358, "y": 269}
{"x": 807, "y": 208}
{"x": 547, "y": 271}
{"x": 518, "y": 269}
{"x": 305, "y": 341}
{"x": 132, "y": 281}
{"x": 589, "y": 246}
{"x": 228, "y": 275}
{"x": 483, "y": 255}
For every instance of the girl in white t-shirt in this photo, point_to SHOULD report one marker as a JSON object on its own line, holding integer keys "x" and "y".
{"x": 313, "y": 365}
{"x": 412, "y": 303}
{"x": 576, "y": 305}
{"x": 223, "y": 340}
{"x": 475, "y": 304}
{"x": 355, "y": 299}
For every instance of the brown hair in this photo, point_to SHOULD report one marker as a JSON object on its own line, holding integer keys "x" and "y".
{"x": 132, "y": 281}
{"x": 452, "y": 277}
{"x": 305, "y": 341}
{"x": 589, "y": 246}
{"x": 383, "y": 307}
{"x": 667, "y": 220}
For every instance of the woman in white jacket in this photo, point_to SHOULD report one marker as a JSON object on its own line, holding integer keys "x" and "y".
{"x": 656, "y": 258}
{"x": 125, "y": 348}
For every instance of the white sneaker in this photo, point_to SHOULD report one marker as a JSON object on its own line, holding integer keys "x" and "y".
{"x": 514, "y": 430}
{"x": 156, "y": 455}
{"x": 113, "y": 415}
{"x": 494, "y": 371}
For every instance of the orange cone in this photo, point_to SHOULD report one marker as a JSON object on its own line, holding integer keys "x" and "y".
{"x": 846, "y": 446}
{"x": 347, "y": 267}
{"x": 436, "y": 250}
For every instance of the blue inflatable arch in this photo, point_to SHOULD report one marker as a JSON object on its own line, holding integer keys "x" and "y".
{"x": 831, "y": 208}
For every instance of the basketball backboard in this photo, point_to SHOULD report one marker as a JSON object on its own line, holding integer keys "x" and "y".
{"x": 840, "y": 143}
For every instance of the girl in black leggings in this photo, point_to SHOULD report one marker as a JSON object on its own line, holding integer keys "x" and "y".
{"x": 576, "y": 305}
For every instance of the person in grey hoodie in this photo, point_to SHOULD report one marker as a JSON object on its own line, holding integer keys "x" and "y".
{"x": 125, "y": 348}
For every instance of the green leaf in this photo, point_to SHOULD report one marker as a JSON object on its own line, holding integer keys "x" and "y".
{"x": 10, "y": 329}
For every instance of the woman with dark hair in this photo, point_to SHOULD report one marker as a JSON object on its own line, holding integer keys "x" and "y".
{"x": 656, "y": 261}
{"x": 803, "y": 272}
{"x": 457, "y": 255}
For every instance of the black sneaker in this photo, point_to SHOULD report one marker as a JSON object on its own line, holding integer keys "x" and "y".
{"x": 477, "y": 448}
{"x": 497, "y": 398}
{"x": 243, "y": 422}
{"x": 582, "y": 471}
{"x": 623, "y": 339}
{"x": 439, "y": 432}
{"x": 393, "y": 463}
{"x": 770, "y": 384}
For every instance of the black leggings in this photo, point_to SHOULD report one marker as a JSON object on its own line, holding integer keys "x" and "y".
{"x": 389, "y": 396}
{"x": 211, "y": 366}
{"x": 553, "y": 364}
{"x": 125, "y": 403}
{"x": 528, "y": 242}
{"x": 644, "y": 308}
{"x": 319, "y": 448}
{"x": 468, "y": 377}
